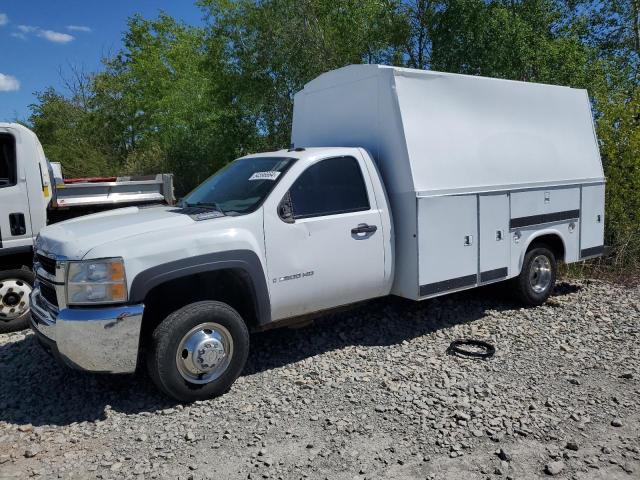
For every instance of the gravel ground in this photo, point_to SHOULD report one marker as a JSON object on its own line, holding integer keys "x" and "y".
{"x": 366, "y": 394}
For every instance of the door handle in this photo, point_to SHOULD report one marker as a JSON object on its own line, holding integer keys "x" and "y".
{"x": 364, "y": 228}
{"x": 17, "y": 224}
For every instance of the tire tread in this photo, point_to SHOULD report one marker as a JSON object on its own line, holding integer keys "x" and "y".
{"x": 521, "y": 283}
{"x": 159, "y": 367}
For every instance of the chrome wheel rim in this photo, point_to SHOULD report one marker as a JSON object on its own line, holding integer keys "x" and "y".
{"x": 14, "y": 298}
{"x": 540, "y": 274}
{"x": 204, "y": 353}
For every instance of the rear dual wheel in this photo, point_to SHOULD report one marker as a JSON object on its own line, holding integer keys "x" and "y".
{"x": 537, "y": 277}
{"x": 198, "y": 351}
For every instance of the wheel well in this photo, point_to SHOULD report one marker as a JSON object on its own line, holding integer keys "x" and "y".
{"x": 231, "y": 286}
{"x": 17, "y": 261}
{"x": 553, "y": 242}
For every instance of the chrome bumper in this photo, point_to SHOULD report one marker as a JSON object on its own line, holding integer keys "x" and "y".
{"x": 92, "y": 339}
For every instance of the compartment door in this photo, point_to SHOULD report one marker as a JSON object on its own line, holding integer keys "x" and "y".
{"x": 592, "y": 221}
{"x": 447, "y": 243}
{"x": 494, "y": 237}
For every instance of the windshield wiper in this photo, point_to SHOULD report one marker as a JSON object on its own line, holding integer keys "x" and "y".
{"x": 213, "y": 205}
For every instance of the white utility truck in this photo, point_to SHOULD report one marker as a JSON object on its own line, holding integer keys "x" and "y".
{"x": 34, "y": 193}
{"x": 402, "y": 182}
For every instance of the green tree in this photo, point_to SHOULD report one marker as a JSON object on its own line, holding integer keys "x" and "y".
{"x": 273, "y": 47}
{"x": 188, "y": 100}
{"x": 618, "y": 128}
{"x": 64, "y": 128}
{"x": 160, "y": 99}
{"x": 518, "y": 40}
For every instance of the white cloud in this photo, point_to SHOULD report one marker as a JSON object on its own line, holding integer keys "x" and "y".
{"x": 8, "y": 83}
{"x": 78, "y": 28}
{"x": 3, "y": 19}
{"x": 56, "y": 37}
{"x": 27, "y": 28}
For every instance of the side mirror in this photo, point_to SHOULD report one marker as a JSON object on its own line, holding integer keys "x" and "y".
{"x": 285, "y": 209}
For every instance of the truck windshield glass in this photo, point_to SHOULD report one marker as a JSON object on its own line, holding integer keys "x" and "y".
{"x": 241, "y": 186}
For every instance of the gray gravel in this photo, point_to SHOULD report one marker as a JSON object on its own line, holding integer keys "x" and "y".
{"x": 366, "y": 394}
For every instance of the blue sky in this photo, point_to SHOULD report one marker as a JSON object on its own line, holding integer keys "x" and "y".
{"x": 40, "y": 38}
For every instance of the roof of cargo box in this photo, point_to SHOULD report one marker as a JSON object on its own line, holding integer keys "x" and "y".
{"x": 441, "y": 132}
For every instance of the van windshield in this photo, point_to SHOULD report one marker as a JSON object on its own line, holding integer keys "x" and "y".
{"x": 241, "y": 186}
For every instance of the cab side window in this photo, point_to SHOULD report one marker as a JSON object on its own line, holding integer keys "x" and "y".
{"x": 329, "y": 187}
{"x": 8, "y": 174}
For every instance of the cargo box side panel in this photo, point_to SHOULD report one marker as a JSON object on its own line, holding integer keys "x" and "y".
{"x": 551, "y": 205}
{"x": 447, "y": 243}
{"x": 544, "y": 212}
{"x": 592, "y": 225}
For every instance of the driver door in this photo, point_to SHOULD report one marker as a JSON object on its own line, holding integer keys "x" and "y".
{"x": 329, "y": 251}
{"x": 15, "y": 227}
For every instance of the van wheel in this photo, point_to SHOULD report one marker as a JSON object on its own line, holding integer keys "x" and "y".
{"x": 197, "y": 352}
{"x": 15, "y": 288}
{"x": 538, "y": 276}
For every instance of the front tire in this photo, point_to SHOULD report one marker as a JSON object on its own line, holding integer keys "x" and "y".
{"x": 198, "y": 351}
{"x": 15, "y": 288}
{"x": 538, "y": 276}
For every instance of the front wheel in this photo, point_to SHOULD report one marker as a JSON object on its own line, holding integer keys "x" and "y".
{"x": 538, "y": 276}
{"x": 15, "y": 288}
{"x": 198, "y": 351}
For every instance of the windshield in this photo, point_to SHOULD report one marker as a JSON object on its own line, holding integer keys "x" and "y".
{"x": 241, "y": 186}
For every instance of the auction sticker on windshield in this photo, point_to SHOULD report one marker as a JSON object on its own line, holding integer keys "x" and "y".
{"x": 264, "y": 176}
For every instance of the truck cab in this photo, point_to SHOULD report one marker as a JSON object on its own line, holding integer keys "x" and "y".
{"x": 25, "y": 191}
{"x": 25, "y": 187}
{"x": 33, "y": 194}
{"x": 271, "y": 237}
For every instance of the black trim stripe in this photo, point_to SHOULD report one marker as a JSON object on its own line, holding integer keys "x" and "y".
{"x": 451, "y": 284}
{"x": 544, "y": 218}
{"x": 592, "y": 251}
{"x": 494, "y": 274}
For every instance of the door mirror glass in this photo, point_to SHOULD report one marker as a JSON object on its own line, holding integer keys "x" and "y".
{"x": 285, "y": 209}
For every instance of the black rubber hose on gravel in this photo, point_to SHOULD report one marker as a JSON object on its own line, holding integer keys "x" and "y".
{"x": 457, "y": 347}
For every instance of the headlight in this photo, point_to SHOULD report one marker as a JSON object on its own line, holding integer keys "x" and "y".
{"x": 96, "y": 281}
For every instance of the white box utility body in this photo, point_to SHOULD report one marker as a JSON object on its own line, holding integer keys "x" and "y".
{"x": 475, "y": 168}
{"x": 399, "y": 182}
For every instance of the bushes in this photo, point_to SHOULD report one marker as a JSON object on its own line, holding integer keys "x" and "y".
{"x": 619, "y": 135}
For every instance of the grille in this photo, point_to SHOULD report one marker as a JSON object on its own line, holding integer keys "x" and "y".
{"x": 47, "y": 264}
{"x": 49, "y": 293}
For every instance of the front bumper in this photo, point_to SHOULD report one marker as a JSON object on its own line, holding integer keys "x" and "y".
{"x": 92, "y": 339}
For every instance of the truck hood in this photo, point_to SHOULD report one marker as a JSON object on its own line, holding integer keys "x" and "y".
{"x": 74, "y": 238}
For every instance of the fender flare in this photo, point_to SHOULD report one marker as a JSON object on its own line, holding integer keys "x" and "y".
{"x": 245, "y": 260}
